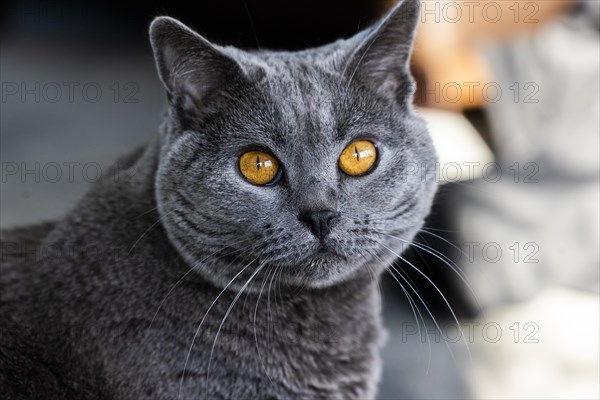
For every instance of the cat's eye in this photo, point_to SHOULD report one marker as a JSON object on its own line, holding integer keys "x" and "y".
{"x": 260, "y": 168}
{"x": 358, "y": 158}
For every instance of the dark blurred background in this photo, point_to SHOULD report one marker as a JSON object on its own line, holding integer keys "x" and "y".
{"x": 242, "y": 23}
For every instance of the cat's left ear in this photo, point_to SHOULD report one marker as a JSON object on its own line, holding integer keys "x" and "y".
{"x": 382, "y": 58}
{"x": 190, "y": 66}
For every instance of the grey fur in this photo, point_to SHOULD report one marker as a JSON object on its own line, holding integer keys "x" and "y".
{"x": 111, "y": 304}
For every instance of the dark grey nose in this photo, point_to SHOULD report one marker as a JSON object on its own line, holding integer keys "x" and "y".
{"x": 320, "y": 222}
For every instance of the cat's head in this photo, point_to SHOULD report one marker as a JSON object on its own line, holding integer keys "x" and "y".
{"x": 303, "y": 163}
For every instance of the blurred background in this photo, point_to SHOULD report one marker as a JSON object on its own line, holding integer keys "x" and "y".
{"x": 511, "y": 93}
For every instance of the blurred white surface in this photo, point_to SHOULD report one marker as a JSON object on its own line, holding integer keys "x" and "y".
{"x": 462, "y": 153}
{"x": 554, "y": 357}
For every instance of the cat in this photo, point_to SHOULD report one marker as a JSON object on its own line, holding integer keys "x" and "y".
{"x": 237, "y": 254}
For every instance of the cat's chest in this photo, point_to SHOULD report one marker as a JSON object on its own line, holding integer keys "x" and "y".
{"x": 154, "y": 329}
{"x": 257, "y": 349}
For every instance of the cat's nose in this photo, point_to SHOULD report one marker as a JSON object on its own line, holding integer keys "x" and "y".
{"x": 320, "y": 222}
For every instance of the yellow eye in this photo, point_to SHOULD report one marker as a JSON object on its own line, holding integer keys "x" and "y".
{"x": 358, "y": 158}
{"x": 260, "y": 168}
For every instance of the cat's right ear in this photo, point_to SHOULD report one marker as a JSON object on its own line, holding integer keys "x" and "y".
{"x": 188, "y": 65}
{"x": 382, "y": 58}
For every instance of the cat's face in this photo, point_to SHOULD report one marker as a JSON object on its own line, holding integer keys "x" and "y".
{"x": 297, "y": 163}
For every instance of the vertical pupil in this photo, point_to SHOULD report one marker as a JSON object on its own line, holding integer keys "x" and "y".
{"x": 356, "y": 154}
{"x": 257, "y": 163}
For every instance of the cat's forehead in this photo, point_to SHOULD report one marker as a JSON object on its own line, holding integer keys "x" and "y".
{"x": 306, "y": 94}
{"x": 302, "y": 100}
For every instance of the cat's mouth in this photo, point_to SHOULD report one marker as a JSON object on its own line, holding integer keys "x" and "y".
{"x": 324, "y": 251}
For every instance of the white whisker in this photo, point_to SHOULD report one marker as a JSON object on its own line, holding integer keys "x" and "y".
{"x": 439, "y": 256}
{"x": 187, "y": 358}
{"x": 189, "y": 271}
{"x": 440, "y": 293}
{"x": 271, "y": 269}
{"x": 235, "y": 299}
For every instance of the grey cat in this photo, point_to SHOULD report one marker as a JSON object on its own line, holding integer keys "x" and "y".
{"x": 181, "y": 275}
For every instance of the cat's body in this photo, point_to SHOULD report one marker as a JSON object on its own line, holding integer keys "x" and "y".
{"x": 175, "y": 277}
{"x": 107, "y": 327}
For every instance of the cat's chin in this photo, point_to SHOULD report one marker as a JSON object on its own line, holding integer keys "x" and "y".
{"x": 324, "y": 268}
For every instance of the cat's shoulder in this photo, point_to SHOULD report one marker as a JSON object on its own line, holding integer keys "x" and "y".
{"x": 28, "y": 371}
{"x": 19, "y": 243}
{"x": 23, "y": 372}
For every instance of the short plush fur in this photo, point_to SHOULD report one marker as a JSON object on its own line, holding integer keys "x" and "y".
{"x": 174, "y": 277}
